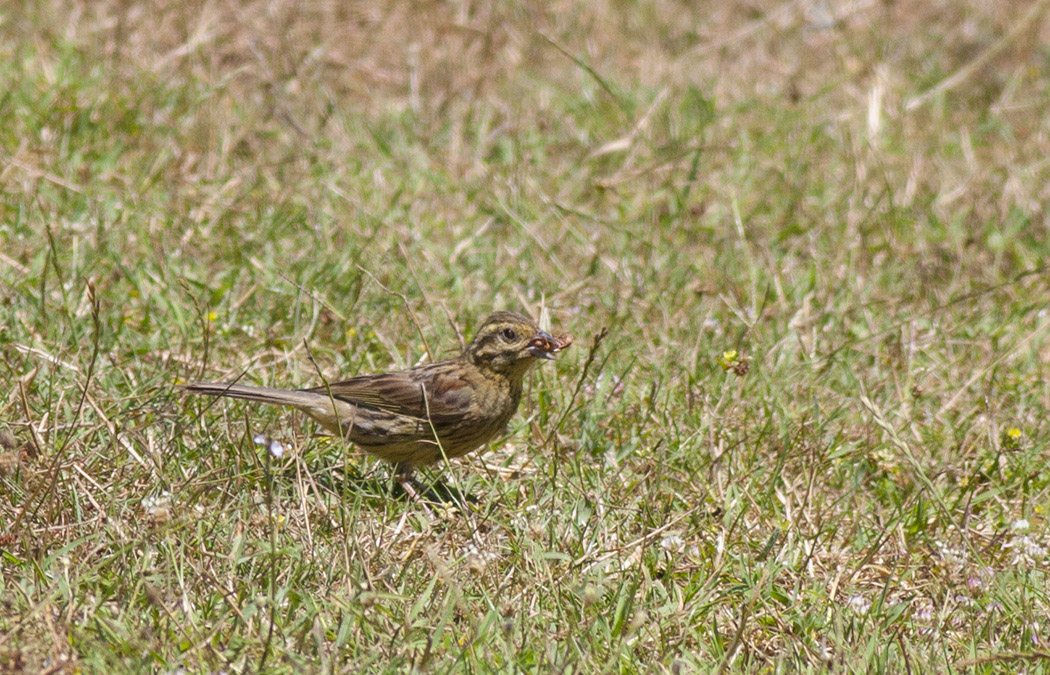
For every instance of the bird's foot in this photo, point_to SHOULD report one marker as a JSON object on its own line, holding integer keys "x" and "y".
{"x": 435, "y": 494}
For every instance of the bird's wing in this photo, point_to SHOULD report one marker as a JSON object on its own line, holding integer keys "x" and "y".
{"x": 434, "y": 392}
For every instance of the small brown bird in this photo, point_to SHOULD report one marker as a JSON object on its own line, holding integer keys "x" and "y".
{"x": 415, "y": 417}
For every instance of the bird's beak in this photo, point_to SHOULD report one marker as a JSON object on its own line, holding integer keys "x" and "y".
{"x": 544, "y": 345}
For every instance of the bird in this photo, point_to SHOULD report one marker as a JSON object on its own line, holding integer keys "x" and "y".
{"x": 416, "y": 417}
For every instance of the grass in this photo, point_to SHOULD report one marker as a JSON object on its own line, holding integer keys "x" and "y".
{"x": 285, "y": 192}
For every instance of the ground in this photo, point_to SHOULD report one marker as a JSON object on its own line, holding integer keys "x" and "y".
{"x": 813, "y": 438}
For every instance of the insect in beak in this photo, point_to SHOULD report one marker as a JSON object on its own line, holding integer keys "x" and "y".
{"x": 545, "y": 345}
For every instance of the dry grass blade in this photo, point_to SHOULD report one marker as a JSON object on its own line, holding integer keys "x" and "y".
{"x": 1022, "y": 25}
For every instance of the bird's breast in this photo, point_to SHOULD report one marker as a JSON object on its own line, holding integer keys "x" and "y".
{"x": 492, "y": 406}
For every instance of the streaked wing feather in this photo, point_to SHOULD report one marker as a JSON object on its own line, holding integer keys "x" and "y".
{"x": 447, "y": 393}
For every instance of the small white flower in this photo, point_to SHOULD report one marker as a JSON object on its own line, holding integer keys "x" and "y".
{"x": 259, "y": 439}
{"x": 953, "y": 557}
{"x": 150, "y": 504}
{"x": 1026, "y": 550}
{"x": 858, "y": 604}
{"x": 276, "y": 449}
{"x": 672, "y": 542}
{"x": 1020, "y": 525}
{"x": 1032, "y": 548}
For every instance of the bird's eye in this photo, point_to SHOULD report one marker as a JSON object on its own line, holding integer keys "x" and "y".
{"x": 509, "y": 335}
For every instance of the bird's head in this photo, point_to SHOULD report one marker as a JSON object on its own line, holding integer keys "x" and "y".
{"x": 510, "y": 343}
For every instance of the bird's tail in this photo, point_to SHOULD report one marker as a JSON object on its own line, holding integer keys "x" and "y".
{"x": 297, "y": 399}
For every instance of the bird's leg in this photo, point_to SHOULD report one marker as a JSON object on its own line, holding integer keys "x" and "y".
{"x": 407, "y": 481}
{"x": 403, "y": 476}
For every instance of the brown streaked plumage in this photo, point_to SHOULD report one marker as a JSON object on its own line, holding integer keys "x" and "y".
{"x": 417, "y": 416}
